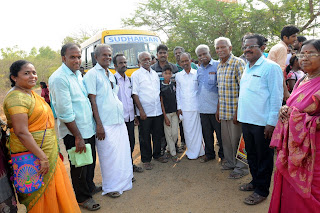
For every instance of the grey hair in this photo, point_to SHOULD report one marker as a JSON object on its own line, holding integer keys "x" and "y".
{"x": 186, "y": 53}
{"x": 139, "y": 55}
{"x": 178, "y": 48}
{"x": 99, "y": 47}
{"x": 222, "y": 39}
{"x": 202, "y": 46}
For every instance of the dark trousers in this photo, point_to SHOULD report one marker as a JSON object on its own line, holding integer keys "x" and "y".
{"x": 82, "y": 177}
{"x": 260, "y": 157}
{"x": 209, "y": 126}
{"x": 154, "y": 126}
{"x": 130, "y": 128}
{"x": 182, "y": 134}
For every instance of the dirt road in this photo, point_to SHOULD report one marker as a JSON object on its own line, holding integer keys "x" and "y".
{"x": 187, "y": 187}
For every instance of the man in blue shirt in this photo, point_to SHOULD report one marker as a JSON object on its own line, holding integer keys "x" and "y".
{"x": 75, "y": 120}
{"x": 112, "y": 136}
{"x": 208, "y": 98}
{"x": 260, "y": 99}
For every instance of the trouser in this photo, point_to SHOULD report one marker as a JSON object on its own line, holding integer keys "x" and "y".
{"x": 154, "y": 126}
{"x": 130, "y": 128}
{"x": 171, "y": 132}
{"x": 82, "y": 177}
{"x": 209, "y": 126}
{"x": 230, "y": 134}
{"x": 260, "y": 157}
{"x": 183, "y": 142}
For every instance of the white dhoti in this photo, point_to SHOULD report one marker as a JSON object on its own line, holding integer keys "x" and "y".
{"x": 193, "y": 134}
{"x": 115, "y": 159}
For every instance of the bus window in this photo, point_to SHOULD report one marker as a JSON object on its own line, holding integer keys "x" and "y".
{"x": 89, "y": 59}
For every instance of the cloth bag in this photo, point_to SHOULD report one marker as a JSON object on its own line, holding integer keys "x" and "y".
{"x": 26, "y": 166}
{"x": 83, "y": 159}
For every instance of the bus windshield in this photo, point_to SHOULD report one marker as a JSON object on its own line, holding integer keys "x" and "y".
{"x": 131, "y": 46}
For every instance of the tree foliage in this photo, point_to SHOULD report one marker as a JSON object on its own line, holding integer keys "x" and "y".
{"x": 45, "y": 60}
{"x": 189, "y": 23}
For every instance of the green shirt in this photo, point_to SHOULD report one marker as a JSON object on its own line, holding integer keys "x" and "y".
{"x": 193, "y": 66}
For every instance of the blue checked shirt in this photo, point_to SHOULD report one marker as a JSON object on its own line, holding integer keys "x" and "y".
{"x": 229, "y": 75}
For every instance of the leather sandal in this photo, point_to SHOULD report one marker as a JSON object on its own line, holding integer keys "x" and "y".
{"x": 90, "y": 205}
{"x": 246, "y": 187}
{"x": 254, "y": 199}
{"x": 114, "y": 194}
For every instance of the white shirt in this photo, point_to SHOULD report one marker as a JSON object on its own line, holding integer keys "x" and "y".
{"x": 124, "y": 94}
{"x": 146, "y": 84}
{"x": 187, "y": 87}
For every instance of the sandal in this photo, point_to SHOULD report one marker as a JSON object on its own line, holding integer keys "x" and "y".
{"x": 175, "y": 159}
{"x": 254, "y": 199}
{"x": 205, "y": 159}
{"x": 137, "y": 169}
{"x": 147, "y": 166}
{"x": 98, "y": 188}
{"x": 162, "y": 159}
{"x": 235, "y": 175}
{"x": 246, "y": 187}
{"x": 90, "y": 205}
{"x": 114, "y": 194}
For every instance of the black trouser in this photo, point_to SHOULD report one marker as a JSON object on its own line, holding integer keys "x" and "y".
{"x": 260, "y": 157}
{"x": 130, "y": 129}
{"x": 82, "y": 177}
{"x": 154, "y": 126}
{"x": 181, "y": 133}
{"x": 209, "y": 126}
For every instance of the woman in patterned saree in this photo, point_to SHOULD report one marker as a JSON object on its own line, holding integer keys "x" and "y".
{"x": 29, "y": 118}
{"x": 297, "y": 140}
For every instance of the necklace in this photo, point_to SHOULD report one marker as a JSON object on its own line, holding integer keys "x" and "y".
{"x": 310, "y": 77}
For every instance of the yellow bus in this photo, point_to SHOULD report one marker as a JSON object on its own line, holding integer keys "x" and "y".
{"x": 128, "y": 42}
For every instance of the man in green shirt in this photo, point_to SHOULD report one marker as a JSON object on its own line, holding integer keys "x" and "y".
{"x": 177, "y": 52}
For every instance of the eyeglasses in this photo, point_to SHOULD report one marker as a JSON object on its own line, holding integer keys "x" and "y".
{"x": 310, "y": 55}
{"x": 249, "y": 47}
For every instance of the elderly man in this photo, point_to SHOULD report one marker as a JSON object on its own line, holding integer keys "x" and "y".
{"x": 146, "y": 96}
{"x": 125, "y": 96}
{"x": 208, "y": 97}
{"x": 75, "y": 120}
{"x": 177, "y": 52}
{"x": 278, "y": 53}
{"x": 112, "y": 139}
{"x": 162, "y": 56}
{"x": 260, "y": 100}
{"x": 230, "y": 70}
{"x": 187, "y": 105}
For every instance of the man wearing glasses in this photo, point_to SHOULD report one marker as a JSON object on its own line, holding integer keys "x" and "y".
{"x": 260, "y": 99}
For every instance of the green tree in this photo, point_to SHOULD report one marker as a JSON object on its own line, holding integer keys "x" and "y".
{"x": 189, "y": 23}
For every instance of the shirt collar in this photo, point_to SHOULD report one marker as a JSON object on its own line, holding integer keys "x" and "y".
{"x": 146, "y": 71}
{"x": 282, "y": 42}
{"x": 227, "y": 62}
{"x": 99, "y": 67}
{"x": 118, "y": 76}
{"x": 68, "y": 71}
{"x": 210, "y": 63}
{"x": 191, "y": 72}
{"x": 258, "y": 62}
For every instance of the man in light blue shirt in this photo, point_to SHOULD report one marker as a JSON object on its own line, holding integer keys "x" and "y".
{"x": 112, "y": 139}
{"x": 208, "y": 100}
{"x": 75, "y": 120}
{"x": 260, "y": 99}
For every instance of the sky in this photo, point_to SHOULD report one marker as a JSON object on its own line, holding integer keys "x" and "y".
{"x": 36, "y": 23}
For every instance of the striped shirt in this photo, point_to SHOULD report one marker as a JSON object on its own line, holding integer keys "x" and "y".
{"x": 228, "y": 77}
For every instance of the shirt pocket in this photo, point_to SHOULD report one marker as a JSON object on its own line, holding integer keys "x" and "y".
{"x": 255, "y": 83}
{"x": 212, "y": 78}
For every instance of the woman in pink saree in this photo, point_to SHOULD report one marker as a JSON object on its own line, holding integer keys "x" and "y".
{"x": 297, "y": 140}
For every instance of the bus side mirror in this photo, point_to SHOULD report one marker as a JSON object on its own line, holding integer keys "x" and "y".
{"x": 94, "y": 62}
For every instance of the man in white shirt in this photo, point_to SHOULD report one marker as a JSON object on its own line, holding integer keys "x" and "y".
{"x": 187, "y": 105}
{"x": 112, "y": 139}
{"x": 146, "y": 96}
{"x": 125, "y": 96}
